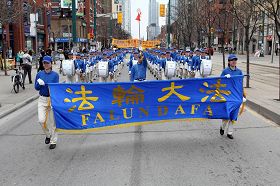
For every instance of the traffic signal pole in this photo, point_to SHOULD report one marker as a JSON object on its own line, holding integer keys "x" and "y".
{"x": 168, "y": 26}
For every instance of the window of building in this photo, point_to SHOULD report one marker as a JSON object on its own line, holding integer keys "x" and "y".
{"x": 40, "y": 17}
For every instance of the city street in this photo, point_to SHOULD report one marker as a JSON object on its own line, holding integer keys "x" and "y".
{"x": 174, "y": 153}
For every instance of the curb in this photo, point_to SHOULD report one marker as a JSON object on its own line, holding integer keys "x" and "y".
{"x": 261, "y": 65}
{"x": 18, "y": 106}
{"x": 275, "y": 117}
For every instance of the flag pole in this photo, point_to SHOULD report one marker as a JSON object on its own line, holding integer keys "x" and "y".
{"x": 139, "y": 33}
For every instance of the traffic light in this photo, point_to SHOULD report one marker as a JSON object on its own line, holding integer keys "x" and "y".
{"x": 162, "y": 10}
{"x": 120, "y": 18}
{"x": 90, "y": 35}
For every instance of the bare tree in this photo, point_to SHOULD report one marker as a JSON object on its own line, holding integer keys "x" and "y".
{"x": 272, "y": 9}
{"x": 184, "y": 27}
{"x": 247, "y": 14}
{"x": 10, "y": 11}
{"x": 223, "y": 18}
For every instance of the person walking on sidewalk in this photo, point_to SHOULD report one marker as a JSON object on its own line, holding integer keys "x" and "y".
{"x": 43, "y": 78}
{"x": 231, "y": 70}
{"x": 27, "y": 65}
{"x": 41, "y": 66}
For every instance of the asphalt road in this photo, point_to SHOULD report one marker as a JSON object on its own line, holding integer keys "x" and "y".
{"x": 174, "y": 153}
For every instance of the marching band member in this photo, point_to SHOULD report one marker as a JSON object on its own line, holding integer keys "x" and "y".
{"x": 138, "y": 71}
{"x": 44, "y": 105}
{"x": 231, "y": 70}
{"x": 186, "y": 63}
{"x": 133, "y": 61}
{"x": 196, "y": 62}
{"x": 168, "y": 59}
{"x": 205, "y": 64}
{"x": 78, "y": 66}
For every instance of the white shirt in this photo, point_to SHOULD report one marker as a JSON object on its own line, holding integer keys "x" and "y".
{"x": 27, "y": 59}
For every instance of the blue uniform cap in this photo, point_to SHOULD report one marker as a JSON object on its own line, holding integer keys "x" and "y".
{"x": 232, "y": 57}
{"x": 78, "y": 54}
{"x": 47, "y": 59}
{"x": 202, "y": 50}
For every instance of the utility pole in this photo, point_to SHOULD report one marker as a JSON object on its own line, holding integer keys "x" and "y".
{"x": 168, "y": 26}
{"x": 36, "y": 38}
{"x": 94, "y": 19}
{"x": 74, "y": 29}
{"x": 262, "y": 47}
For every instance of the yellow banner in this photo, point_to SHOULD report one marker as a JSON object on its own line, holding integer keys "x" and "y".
{"x": 134, "y": 43}
{"x": 150, "y": 44}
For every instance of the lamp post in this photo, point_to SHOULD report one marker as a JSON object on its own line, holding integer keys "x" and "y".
{"x": 94, "y": 19}
{"x": 74, "y": 26}
{"x": 168, "y": 26}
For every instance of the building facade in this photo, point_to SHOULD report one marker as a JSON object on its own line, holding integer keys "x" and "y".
{"x": 126, "y": 9}
{"x": 153, "y": 21}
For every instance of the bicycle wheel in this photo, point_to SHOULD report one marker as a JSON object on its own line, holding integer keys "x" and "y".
{"x": 16, "y": 86}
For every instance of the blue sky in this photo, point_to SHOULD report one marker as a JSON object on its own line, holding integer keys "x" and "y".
{"x": 144, "y": 6}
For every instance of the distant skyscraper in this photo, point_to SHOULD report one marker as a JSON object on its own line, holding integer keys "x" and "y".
{"x": 126, "y": 9}
{"x": 153, "y": 21}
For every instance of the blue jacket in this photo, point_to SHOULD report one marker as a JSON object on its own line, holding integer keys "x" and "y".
{"x": 51, "y": 77}
{"x": 138, "y": 71}
{"x": 231, "y": 72}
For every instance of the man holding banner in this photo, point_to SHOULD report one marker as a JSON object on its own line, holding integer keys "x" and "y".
{"x": 138, "y": 71}
{"x": 231, "y": 70}
{"x": 43, "y": 78}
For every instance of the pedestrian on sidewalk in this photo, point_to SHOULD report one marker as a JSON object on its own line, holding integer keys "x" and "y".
{"x": 231, "y": 70}
{"x": 43, "y": 78}
{"x": 41, "y": 66}
{"x": 27, "y": 65}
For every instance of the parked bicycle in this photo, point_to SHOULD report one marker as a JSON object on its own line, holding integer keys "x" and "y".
{"x": 17, "y": 80}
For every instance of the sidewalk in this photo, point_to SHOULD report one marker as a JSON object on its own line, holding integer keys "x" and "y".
{"x": 9, "y": 100}
{"x": 260, "y": 61}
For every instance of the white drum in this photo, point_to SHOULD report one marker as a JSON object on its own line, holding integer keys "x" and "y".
{"x": 115, "y": 68}
{"x": 68, "y": 67}
{"x": 103, "y": 69}
{"x": 205, "y": 67}
{"x": 170, "y": 68}
{"x": 181, "y": 65}
{"x": 186, "y": 66}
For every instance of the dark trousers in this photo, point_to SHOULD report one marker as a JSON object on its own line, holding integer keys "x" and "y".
{"x": 27, "y": 70}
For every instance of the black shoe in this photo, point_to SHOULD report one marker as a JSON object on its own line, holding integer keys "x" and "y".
{"x": 222, "y": 131}
{"x": 229, "y": 136}
{"x": 52, "y": 146}
{"x": 30, "y": 82}
{"x": 47, "y": 140}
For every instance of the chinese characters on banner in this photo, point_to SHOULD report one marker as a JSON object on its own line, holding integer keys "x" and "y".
{"x": 91, "y": 107}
